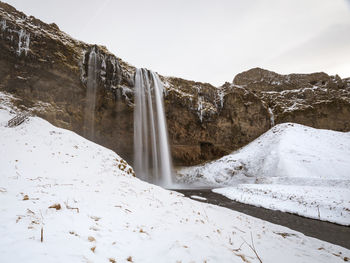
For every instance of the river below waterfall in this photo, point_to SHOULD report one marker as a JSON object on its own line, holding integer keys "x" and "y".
{"x": 333, "y": 233}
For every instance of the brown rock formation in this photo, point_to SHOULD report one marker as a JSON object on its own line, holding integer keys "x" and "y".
{"x": 206, "y": 122}
{"x": 46, "y": 70}
{"x": 317, "y": 100}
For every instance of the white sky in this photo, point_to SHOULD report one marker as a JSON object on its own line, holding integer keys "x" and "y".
{"x": 207, "y": 40}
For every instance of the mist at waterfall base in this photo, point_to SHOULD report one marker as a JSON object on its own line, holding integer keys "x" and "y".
{"x": 152, "y": 160}
{"x": 89, "y": 116}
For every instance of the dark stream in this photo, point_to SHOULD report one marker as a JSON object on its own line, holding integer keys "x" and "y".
{"x": 332, "y": 233}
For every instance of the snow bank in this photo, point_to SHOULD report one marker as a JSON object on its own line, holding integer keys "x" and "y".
{"x": 323, "y": 203}
{"x": 288, "y": 153}
{"x": 101, "y": 213}
{"x": 284, "y": 159}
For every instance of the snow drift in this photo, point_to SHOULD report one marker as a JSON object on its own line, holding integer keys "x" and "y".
{"x": 288, "y": 153}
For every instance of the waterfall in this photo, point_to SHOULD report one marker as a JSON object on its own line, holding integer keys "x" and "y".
{"x": 272, "y": 117}
{"x": 152, "y": 161}
{"x": 89, "y": 117}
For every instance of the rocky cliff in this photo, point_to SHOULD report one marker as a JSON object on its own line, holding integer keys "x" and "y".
{"x": 46, "y": 71}
{"x": 317, "y": 100}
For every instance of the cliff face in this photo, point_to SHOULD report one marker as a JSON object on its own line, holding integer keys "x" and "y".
{"x": 46, "y": 70}
{"x": 317, "y": 100}
{"x": 206, "y": 122}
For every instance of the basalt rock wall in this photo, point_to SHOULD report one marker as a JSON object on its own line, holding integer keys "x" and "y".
{"x": 46, "y": 72}
{"x": 317, "y": 100}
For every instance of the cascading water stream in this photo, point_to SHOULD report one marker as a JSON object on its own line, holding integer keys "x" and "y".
{"x": 272, "y": 117}
{"x": 152, "y": 160}
{"x": 89, "y": 117}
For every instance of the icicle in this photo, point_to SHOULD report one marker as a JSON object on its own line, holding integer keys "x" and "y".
{"x": 221, "y": 97}
{"x": 200, "y": 108}
{"x": 199, "y": 104}
{"x": 103, "y": 64}
{"x": 103, "y": 68}
{"x": 23, "y": 42}
{"x": 3, "y": 25}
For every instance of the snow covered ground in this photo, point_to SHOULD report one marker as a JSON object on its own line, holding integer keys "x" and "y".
{"x": 291, "y": 168}
{"x": 91, "y": 209}
{"x": 323, "y": 203}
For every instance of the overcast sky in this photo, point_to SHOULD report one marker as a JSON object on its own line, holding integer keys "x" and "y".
{"x": 206, "y": 40}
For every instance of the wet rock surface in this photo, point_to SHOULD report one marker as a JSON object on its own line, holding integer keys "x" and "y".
{"x": 46, "y": 70}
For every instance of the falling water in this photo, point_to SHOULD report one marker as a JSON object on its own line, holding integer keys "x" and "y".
{"x": 272, "y": 117}
{"x": 152, "y": 161}
{"x": 89, "y": 117}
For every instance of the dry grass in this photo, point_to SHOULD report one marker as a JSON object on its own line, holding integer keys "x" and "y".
{"x": 91, "y": 239}
{"x": 284, "y": 235}
{"x": 71, "y": 208}
{"x": 56, "y": 206}
{"x": 244, "y": 259}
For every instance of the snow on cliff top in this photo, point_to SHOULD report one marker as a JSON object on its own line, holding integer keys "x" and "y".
{"x": 291, "y": 168}
{"x": 107, "y": 215}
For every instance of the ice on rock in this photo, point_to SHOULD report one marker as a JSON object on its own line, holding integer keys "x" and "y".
{"x": 103, "y": 67}
{"x": 272, "y": 117}
{"x": 3, "y": 25}
{"x": 200, "y": 108}
{"x": 221, "y": 95}
{"x": 200, "y": 104}
{"x": 23, "y": 42}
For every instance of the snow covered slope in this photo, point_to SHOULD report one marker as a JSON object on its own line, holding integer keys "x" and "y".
{"x": 304, "y": 171}
{"x": 92, "y": 209}
{"x": 288, "y": 153}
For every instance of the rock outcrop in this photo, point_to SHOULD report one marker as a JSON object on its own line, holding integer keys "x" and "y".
{"x": 317, "y": 100}
{"x": 46, "y": 71}
{"x": 206, "y": 122}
